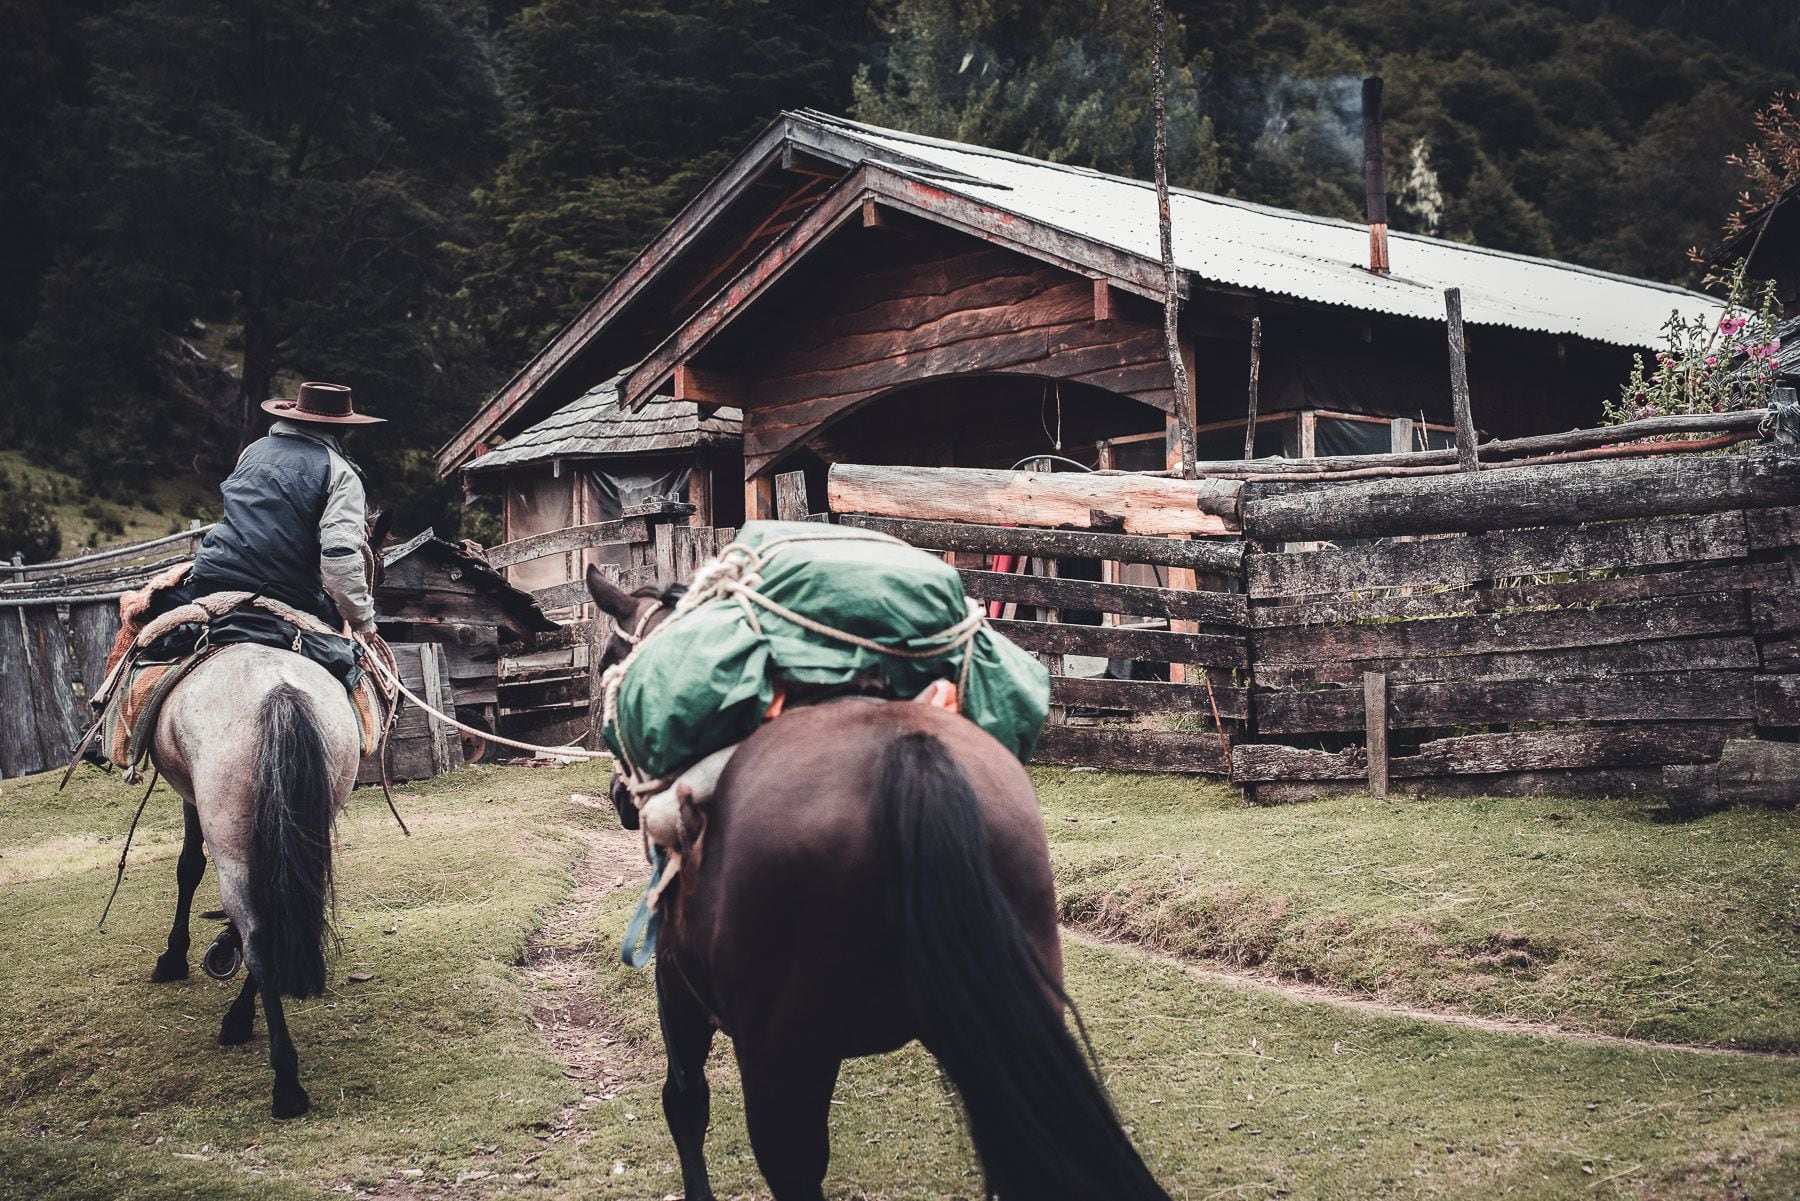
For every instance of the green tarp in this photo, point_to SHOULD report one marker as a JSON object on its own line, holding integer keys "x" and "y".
{"x": 705, "y": 678}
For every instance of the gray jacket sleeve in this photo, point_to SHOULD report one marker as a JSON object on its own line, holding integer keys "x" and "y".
{"x": 342, "y": 530}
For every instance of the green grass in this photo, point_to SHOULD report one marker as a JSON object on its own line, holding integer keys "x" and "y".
{"x": 431, "y": 1072}
{"x": 1602, "y": 915}
{"x": 89, "y": 520}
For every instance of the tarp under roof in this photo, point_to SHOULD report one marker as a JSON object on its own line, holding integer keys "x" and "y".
{"x": 1281, "y": 252}
{"x": 593, "y": 425}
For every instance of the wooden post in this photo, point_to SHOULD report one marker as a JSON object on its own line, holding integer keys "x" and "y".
{"x": 1255, "y": 378}
{"x": 759, "y": 498}
{"x": 446, "y": 751}
{"x": 1375, "y": 692}
{"x": 1459, "y": 382}
{"x": 1400, "y": 435}
{"x": 700, "y": 491}
{"x": 790, "y": 496}
{"x": 598, "y": 631}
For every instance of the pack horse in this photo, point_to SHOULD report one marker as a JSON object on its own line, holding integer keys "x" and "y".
{"x": 864, "y": 873}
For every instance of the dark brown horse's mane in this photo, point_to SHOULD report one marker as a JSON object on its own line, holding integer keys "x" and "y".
{"x": 665, "y": 594}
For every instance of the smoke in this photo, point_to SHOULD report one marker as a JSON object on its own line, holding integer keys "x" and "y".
{"x": 1315, "y": 122}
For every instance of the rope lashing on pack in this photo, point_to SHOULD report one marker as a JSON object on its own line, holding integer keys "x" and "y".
{"x": 736, "y": 575}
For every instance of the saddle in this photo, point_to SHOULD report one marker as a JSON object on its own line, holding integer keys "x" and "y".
{"x": 152, "y": 655}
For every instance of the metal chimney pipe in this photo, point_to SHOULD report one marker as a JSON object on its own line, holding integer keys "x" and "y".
{"x": 1374, "y": 176}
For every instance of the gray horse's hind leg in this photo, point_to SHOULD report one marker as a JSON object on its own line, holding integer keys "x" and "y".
{"x": 240, "y": 1019}
{"x": 172, "y": 964}
{"x": 290, "y": 1100}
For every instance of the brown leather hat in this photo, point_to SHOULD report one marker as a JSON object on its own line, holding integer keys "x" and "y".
{"x": 327, "y": 404}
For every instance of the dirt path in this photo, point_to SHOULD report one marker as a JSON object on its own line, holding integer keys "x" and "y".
{"x": 559, "y": 969}
{"x": 1295, "y": 991}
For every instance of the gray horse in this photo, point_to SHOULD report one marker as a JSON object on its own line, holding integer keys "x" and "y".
{"x": 262, "y": 746}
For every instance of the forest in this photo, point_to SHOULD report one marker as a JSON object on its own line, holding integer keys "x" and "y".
{"x": 204, "y": 201}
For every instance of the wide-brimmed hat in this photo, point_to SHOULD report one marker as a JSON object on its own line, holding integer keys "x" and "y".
{"x": 328, "y": 404}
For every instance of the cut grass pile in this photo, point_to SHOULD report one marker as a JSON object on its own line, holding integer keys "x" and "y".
{"x": 1603, "y": 915}
{"x": 429, "y": 1079}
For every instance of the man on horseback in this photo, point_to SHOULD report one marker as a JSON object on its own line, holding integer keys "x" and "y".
{"x": 295, "y": 514}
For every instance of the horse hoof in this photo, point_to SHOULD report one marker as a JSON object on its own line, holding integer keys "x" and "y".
{"x": 169, "y": 968}
{"x": 291, "y": 1105}
{"x": 235, "y": 1034}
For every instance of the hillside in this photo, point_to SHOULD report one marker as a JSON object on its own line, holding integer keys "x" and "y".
{"x": 88, "y": 520}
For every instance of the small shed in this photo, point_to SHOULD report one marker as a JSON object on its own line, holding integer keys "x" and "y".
{"x": 444, "y": 596}
{"x": 591, "y": 461}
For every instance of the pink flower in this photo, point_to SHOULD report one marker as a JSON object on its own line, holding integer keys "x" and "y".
{"x": 1712, "y": 360}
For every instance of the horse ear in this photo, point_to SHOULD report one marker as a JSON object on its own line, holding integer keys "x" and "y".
{"x": 614, "y": 601}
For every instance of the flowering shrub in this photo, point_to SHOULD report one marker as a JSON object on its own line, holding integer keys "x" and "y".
{"x": 1706, "y": 366}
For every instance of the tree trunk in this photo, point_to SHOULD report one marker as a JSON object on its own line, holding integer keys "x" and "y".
{"x": 258, "y": 376}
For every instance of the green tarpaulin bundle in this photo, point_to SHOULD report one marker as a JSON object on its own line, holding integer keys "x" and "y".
{"x": 803, "y": 603}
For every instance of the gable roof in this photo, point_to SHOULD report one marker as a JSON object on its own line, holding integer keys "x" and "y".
{"x": 1103, "y": 225}
{"x": 593, "y": 425}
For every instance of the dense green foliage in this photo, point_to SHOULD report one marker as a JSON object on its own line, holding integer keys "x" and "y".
{"x": 202, "y": 202}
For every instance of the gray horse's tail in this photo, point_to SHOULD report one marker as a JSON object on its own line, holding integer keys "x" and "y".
{"x": 290, "y": 846}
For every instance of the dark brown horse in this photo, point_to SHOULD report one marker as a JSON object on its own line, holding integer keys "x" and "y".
{"x": 872, "y": 872}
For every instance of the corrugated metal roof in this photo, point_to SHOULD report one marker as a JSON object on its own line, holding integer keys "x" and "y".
{"x": 1280, "y": 252}
{"x": 593, "y": 424}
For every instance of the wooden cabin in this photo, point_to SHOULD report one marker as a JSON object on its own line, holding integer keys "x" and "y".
{"x": 592, "y": 461}
{"x": 857, "y": 294}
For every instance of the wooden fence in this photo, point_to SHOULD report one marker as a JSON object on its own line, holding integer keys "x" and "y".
{"x": 1615, "y": 626}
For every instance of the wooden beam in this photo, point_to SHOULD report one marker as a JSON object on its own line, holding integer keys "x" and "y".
{"x": 1210, "y": 608}
{"x": 1124, "y": 642}
{"x": 1526, "y": 496}
{"x": 710, "y": 389}
{"x": 1375, "y": 730}
{"x": 759, "y": 498}
{"x": 557, "y": 542}
{"x": 790, "y": 496}
{"x": 871, "y": 215}
{"x": 1124, "y": 503}
{"x": 1106, "y": 301}
{"x": 1219, "y": 556}
{"x": 1131, "y": 750}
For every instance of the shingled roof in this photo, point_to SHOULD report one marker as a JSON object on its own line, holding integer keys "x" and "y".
{"x": 594, "y": 426}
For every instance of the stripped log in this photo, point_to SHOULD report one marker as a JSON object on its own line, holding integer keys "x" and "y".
{"x": 1557, "y": 494}
{"x": 1651, "y": 696}
{"x": 1127, "y": 503}
{"x": 1500, "y": 554}
{"x": 1547, "y": 629}
{"x": 1222, "y": 556}
{"x": 1209, "y": 608}
{"x": 1130, "y": 750}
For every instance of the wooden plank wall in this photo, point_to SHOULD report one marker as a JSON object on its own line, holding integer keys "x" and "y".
{"x": 1568, "y": 658}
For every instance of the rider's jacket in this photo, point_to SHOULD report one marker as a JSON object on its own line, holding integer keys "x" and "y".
{"x": 293, "y": 527}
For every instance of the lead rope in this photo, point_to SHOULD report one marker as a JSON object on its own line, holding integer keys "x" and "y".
{"x": 129, "y": 834}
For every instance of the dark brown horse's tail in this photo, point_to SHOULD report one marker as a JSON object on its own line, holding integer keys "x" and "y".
{"x": 290, "y": 847}
{"x": 1042, "y": 1124}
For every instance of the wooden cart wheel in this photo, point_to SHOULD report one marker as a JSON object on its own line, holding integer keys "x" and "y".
{"x": 474, "y": 747}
